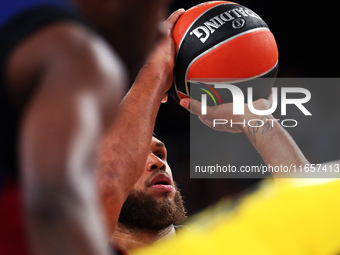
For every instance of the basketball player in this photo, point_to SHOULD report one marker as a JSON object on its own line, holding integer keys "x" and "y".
{"x": 123, "y": 157}
{"x": 295, "y": 216}
{"x": 61, "y": 84}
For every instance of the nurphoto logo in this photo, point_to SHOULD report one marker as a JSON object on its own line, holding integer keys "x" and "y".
{"x": 239, "y": 106}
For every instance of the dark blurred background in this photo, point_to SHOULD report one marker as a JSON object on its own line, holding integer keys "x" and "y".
{"x": 307, "y": 36}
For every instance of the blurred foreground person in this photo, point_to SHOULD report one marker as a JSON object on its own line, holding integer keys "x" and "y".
{"x": 64, "y": 68}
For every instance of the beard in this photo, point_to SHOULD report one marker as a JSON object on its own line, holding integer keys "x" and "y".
{"x": 143, "y": 211}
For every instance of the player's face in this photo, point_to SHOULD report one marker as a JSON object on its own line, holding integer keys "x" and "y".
{"x": 156, "y": 179}
{"x": 154, "y": 202}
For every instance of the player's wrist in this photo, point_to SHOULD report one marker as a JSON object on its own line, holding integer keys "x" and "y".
{"x": 159, "y": 77}
{"x": 249, "y": 116}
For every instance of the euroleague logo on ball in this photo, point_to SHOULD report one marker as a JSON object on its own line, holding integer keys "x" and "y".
{"x": 235, "y": 15}
{"x": 238, "y": 23}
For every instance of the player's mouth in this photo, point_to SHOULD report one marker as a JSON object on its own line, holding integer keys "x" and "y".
{"x": 161, "y": 182}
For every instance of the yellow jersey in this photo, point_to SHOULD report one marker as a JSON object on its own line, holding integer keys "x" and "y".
{"x": 293, "y": 216}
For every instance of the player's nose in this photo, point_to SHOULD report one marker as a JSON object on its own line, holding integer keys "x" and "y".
{"x": 154, "y": 163}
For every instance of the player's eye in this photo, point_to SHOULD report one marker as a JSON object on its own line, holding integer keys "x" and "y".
{"x": 160, "y": 155}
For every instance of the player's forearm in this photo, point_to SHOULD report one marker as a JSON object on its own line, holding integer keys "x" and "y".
{"x": 125, "y": 147}
{"x": 129, "y": 139}
{"x": 273, "y": 142}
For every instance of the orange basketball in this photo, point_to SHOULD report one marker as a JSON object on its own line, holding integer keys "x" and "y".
{"x": 220, "y": 42}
